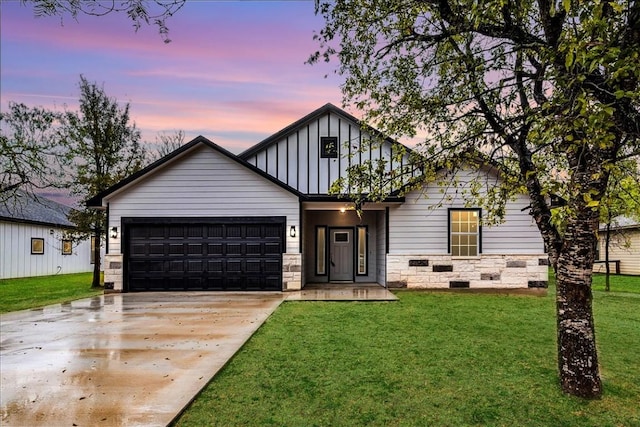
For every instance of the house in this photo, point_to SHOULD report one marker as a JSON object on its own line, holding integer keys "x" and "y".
{"x": 624, "y": 247}
{"x": 203, "y": 218}
{"x": 34, "y": 239}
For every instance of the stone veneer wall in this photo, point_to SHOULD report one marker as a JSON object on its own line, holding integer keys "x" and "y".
{"x": 487, "y": 271}
{"x": 291, "y": 272}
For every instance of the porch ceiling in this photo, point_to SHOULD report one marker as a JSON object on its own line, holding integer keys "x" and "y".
{"x": 346, "y": 205}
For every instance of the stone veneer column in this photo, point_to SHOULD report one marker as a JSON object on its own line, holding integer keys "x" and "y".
{"x": 291, "y": 272}
{"x": 113, "y": 272}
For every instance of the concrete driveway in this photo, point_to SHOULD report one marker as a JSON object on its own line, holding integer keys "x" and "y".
{"x": 120, "y": 359}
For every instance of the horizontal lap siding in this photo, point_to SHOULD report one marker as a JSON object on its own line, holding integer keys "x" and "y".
{"x": 416, "y": 228}
{"x": 624, "y": 247}
{"x": 204, "y": 184}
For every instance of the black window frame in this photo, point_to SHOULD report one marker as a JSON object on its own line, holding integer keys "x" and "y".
{"x": 479, "y": 243}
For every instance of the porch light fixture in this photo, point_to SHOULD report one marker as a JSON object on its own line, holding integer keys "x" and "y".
{"x": 292, "y": 231}
{"x": 342, "y": 210}
{"x": 114, "y": 232}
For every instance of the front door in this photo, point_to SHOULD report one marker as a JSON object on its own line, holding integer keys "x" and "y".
{"x": 341, "y": 254}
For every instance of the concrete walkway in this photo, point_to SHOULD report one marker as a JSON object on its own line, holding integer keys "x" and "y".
{"x": 120, "y": 359}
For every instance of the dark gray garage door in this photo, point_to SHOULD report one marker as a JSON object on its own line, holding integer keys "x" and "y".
{"x": 234, "y": 254}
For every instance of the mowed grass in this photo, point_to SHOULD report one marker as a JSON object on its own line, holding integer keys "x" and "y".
{"x": 32, "y": 292}
{"x": 430, "y": 359}
{"x": 617, "y": 283}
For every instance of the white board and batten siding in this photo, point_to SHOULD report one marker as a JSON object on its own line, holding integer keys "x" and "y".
{"x": 203, "y": 183}
{"x": 293, "y": 155}
{"x": 418, "y": 228}
{"x": 16, "y": 259}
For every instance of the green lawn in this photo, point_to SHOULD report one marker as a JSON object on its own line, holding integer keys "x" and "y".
{"x": 32, "y": 292}
{"x": 430, "y": 359}
{"x": 617, "y": 283}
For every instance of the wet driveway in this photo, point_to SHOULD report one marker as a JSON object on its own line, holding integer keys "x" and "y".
{"x": 120, "y": 359}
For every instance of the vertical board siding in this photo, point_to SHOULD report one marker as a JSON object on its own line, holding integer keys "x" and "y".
{"x": 417, "y": 228}
{"x": 295, "y": 158}
{"x": 16, "y": 259}
{"x": 204, "y": 183}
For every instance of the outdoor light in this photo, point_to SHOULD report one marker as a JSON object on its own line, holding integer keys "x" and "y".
{"x": 342, "y": 210}
{"x": 292, "y": 231}
{"x": 114, "y": 232}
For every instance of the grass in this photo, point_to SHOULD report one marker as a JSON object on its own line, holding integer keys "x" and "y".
{"x": 618, "y": 283}
{"x": 32, "y": 292}
{"x": 430, "y": 359}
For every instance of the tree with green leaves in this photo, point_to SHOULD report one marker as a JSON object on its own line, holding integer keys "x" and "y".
{"x": 547, "y": 92}
{"x": 103, "y": 148}
{"x": 29, "y": 151}
{"x": 140, "y": 12}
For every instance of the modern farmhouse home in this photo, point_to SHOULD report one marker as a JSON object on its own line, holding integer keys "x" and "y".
{"x": 203, "y": 218}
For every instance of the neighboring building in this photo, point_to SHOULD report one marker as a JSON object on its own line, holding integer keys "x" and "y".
{"x": 203, "y": 218}
{"x": 33, "y": 239}
{"x": 624, "y": 247}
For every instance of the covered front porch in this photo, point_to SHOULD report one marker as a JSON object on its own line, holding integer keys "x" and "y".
{"x": 341, "y": 247}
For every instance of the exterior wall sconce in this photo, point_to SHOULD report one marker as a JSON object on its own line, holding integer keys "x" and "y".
{"x": 292, "y": 231}
{"x": 114, "y": 232}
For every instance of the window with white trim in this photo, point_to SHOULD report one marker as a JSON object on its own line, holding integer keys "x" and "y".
{"x": 464, "y": 232}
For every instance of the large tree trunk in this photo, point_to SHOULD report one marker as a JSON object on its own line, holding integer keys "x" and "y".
{"x": 96, "y": 257}
{"x": 577, "y": 353}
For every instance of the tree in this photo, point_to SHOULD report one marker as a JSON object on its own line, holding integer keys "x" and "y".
{"x": 548, "y": 91}
{"x": 169, "y": 142}
{"x": 29, "y": 151}
{"x": 155, "y": 12}
{"x": 103, "y": 148}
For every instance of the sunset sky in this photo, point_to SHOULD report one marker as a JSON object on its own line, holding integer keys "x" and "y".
{"x": 234, "y": 71}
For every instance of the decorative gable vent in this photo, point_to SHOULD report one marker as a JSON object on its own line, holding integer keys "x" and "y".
{"x": 329, "y": 147}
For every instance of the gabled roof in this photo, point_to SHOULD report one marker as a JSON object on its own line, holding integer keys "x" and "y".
{"x": 325, "y": 109}
{"x": 34, "y": 209}
{"x": 96, "y": 201}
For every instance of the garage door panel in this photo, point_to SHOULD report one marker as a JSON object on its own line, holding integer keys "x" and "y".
{"x": 272, "y": 248}
{"x": 195, "y": 249}
{"x": 234, "y": 256}
{"x": 233, "y": 249}
{"x": 215, "y": 248}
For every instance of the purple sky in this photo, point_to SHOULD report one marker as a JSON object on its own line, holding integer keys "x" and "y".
{"x": 234, "y": 71}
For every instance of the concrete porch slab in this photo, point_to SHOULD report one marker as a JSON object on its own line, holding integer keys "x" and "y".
{"x": 342, "y": 292}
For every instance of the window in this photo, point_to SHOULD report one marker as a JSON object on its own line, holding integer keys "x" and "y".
{"x": 329, "y": 147}
{"x": 321, "y": 251}
{"x": 37, "y": 246}
{"x": 67, "y": 247}
{"x": 464, "y": 232}
{"x": 362, "y": 251}
{"x": 341, "y": 237}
